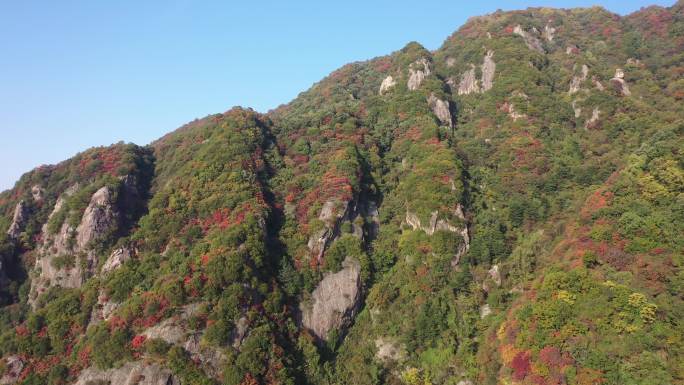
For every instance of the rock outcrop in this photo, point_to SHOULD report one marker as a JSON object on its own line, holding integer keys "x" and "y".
{"x": 469, "y": 83}
{"x": 441, "y": 109}
{"x": 389, "y": 351}
{"x": 117, "y": 258}
{"x": 103, "y": 309}
{"x": 576, "y": 109}
{"x": 21, "y": 214}
{"x": 594, "y": 120}
{"x": 488, "y": 69}
{"x": 131, "y": 373}
{"x": 335, "y": 301}
{"x": 509, "y": 108}
{"x": 210, "y": 359}
{"x": 100, "y": 218}
{"x": 495, "y": 275}
{"x": 387, "y": 84}
{"x": 14, "y": 365}
{"x": 577, "y": 80}
{"x": 548, "y": 33}
{"x": 37, "y": 193}
{"x": 619, "y": 83}
{"x": 530, "y": 39}
{"x": 599, "y": 86}
{"x": 418, "y": 71}
{"x": 436, "y": 224}
{"x": 169, "y": 330}
{"x": 485, "y": 310}
{"x": 332, "y": 213}
{"x": 174, "y": 331}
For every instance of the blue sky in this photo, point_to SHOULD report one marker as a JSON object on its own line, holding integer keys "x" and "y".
{"x": 77, "y": 74}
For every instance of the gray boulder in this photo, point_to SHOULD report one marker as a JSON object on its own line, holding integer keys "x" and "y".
{"x": 131, "y": 373}
{"x": 335, "y": 301}
{"x": 441, "y": 109}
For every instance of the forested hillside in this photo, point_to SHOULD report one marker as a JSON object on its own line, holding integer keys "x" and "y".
{"x": 506, "y": 209}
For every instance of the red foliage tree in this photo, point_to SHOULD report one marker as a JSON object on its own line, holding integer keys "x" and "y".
{"x": 138, "y": 341}
{"x": 521, "y": 365}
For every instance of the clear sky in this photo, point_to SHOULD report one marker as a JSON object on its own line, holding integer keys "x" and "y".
{"x": 77, "y": 74}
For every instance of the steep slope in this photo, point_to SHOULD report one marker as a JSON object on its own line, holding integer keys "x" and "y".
{"x": 505, "y": 209}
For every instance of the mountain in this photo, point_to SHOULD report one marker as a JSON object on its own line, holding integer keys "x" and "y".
{"x": 507, "y": 209}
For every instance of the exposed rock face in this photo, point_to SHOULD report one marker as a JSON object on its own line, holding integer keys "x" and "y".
{"x": 485, "y": 310}
{"x": 37, "y": 193}
{"x": 318, "y": 242}
{"x": 131, "y": 373}
{"x": 488, "y": 69}
{"x": 174, "y": 331}
{"x": 495, "y": 275}
{"x": 418, "y": 71}
{"x": 577, "y": 80}
{"x": 335, "y": 301}
{"x": 597, "y": 83}
{"x": 99, "y": 218}
{"x": 509, "y": 108}
{"x": 468, "y": 84}
{"x": 450, "y": 62}
{"x": 389, "y": 351}
{"x": 434, "y": 224}
{"x": 117, "y": 258}
{"x": 530, "y": 39}
{"x": 594, "y": 120}
{"x": 441, "y": 109}
{"x": 578, "y": 110}
{"x": 168, "y": 330}
{"x": 548, "y": 33}
{"x": 619, "y": 83}
{"x": 441, "y": 224}
{"x": 239, "y": 332}
{"x": 21, "y": 214}
{"x": 331, "y": 215}
{"x": 387, "y": 84}
{"x": 14, "y": 365}
{"x": 104, "y": 308}
{"x": 58, "y": 244}
{"x": 210, "y": 359}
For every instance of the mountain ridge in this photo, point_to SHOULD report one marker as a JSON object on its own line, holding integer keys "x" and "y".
{"x": 504, "y": 209}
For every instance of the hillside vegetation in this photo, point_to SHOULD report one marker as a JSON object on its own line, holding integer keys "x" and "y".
{"x": 506, "y": 209}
